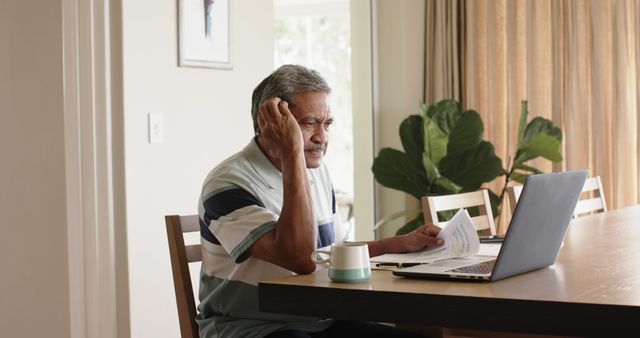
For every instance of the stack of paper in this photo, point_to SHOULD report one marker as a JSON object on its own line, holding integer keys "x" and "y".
{"x": 460, "y": 239}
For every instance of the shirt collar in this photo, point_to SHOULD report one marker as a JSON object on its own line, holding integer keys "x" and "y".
{"x": 265, "y": 169}
{"x": 262, "y": 165}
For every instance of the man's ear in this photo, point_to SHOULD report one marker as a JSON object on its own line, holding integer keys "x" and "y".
{"x": 260, "y": 121}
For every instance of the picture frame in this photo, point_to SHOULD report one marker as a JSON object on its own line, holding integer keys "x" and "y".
{"x": 204, "y": 33}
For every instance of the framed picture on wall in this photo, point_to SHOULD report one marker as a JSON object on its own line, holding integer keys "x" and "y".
{"x": 204, "y": 33}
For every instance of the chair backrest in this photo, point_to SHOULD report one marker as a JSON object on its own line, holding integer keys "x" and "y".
{"x": 587, "y": 203}
{"x": 432, "y": 204}
{"x": 592, "y": 198}
{"x": 514, "y": 194}
{"x": 181, "y": 255}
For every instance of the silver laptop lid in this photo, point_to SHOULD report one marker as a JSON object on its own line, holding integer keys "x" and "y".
{"x": 539, "y": 223}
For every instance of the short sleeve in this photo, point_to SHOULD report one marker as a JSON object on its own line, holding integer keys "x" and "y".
{"x": 235, "y": 219}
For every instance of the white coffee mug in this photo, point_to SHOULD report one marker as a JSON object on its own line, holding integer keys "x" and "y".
{"x": 348, "y": 262}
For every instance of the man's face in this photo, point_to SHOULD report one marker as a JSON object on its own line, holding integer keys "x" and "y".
{"x": 314, "y": 118}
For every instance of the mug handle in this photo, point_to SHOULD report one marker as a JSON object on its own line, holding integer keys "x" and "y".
{"x": 315, "y": 259}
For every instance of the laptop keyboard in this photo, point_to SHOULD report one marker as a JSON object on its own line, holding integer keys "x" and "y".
{"x": 480, "y": 268}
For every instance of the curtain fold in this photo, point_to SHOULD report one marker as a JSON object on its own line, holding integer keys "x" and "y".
{"x": 444, "y": 34}
{"x": 577, "y": 62}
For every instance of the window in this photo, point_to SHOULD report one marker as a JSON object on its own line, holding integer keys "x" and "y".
{"x": 316, "y": 34}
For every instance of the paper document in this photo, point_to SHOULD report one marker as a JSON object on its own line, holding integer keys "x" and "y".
{"x": 460, "y": 239}
{"x": 489, "y": 249}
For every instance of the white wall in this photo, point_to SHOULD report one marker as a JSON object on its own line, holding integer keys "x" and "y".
{"x": 34, "y": 290}
{"x": 362, "y": 106}
{"x": 207, "y": 118}
{"x": 399, "y": 69}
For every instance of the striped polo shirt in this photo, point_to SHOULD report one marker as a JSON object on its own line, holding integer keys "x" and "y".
{"x": 241, "y": 201}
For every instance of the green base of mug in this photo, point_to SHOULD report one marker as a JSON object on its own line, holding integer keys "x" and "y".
{"x": 350, "y": 275}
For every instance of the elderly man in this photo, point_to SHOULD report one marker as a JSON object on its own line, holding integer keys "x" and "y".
{"x": 264, "y": 210}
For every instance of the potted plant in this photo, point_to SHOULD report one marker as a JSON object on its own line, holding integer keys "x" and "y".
{"x": 444, "y": 153}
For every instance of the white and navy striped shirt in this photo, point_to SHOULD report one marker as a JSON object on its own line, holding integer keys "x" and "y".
{"x": 241, "y": 201}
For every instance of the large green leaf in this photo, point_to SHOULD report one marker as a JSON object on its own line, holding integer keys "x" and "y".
{"x": 496, "y": 204}
{"x": 541, "y": 125}
{"x": 435, "y": 141}
{"x": 412, "y": 225}
{"x": 430, "y": 169}
{"x": 466, "y": 134}
{"x": 472, "y": 167}
{"x": 411, "y": 135}
{"x": 541, "y": 144}
{"x": 524, "y": 115}
{"x": 437, "y": 190}
{"x": 423, "y": 108}
{"x": 520, "y": 178}
{"x": 389, "y": 218}
{"x": 445, "y": 114}
{"x": 527, "y": 168}
{"x": 393, "y": 169}
{"x": 447, "y": 185}
{"x": 447, "y": 215}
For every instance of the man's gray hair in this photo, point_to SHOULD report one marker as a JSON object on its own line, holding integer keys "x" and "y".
{"x": 285, "y": 82}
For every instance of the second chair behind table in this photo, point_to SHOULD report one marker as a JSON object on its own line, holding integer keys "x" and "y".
{"x": 433, "y": 204}
{"x": 586, "y": 204}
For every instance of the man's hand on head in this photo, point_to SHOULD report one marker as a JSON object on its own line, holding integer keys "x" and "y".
{"x": 291, "y": 243}
{"x": 422, "y": 237}
{"x": 279, "y": 128}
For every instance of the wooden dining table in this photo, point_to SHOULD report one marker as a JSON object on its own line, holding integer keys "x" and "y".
{"x": 593, "y": 289}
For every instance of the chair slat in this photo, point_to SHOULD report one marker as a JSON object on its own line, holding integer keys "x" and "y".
{"x": 588, "y": 205}
{"x": 591, "y": 184}
{"x": 194, "y": 253}
{"x": 480, "y": 223}
{"x": 514, "y": 194}
{"x": 431, "y": 205}
{"x": 592, "y": 187}
{"x": 190, "y": 223}
{"x": 449, "y": 202}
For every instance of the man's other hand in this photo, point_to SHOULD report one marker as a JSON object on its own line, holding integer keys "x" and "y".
{"x": 422, "y": 237}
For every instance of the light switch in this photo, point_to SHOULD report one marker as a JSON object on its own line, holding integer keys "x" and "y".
{"x": 156, "y": 128}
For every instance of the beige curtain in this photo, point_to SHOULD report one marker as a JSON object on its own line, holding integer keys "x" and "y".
{"x": 576, "y": 62}
{"x": 444, "y": 34}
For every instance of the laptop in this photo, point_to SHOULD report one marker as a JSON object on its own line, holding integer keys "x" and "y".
{"x": 534, "y": 237}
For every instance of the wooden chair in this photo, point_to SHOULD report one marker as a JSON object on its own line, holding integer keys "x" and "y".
{"x": 181, "y": 256}
{"x": 432, "y": 204}
{"x": 592, "y": 198}
{"x": 514, "y": 194}
{"x": 587, "y": 204}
